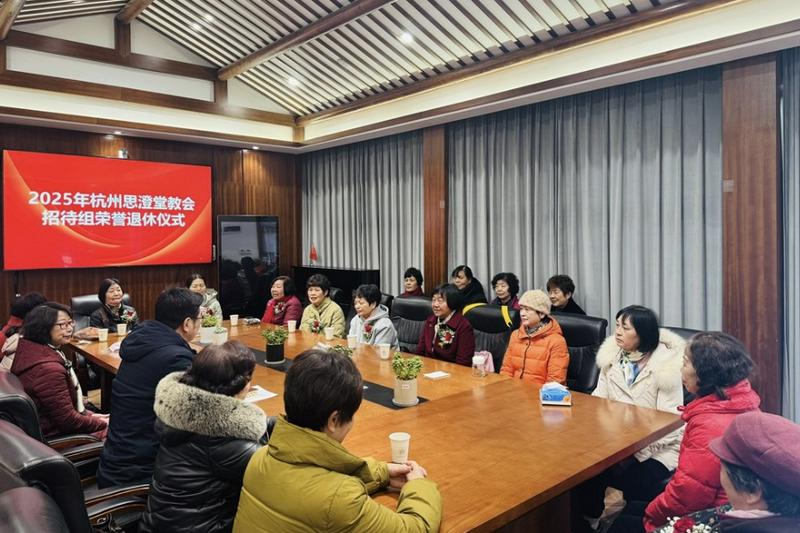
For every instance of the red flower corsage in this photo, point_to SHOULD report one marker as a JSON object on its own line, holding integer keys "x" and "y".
{"x": 279, "y": 307}
{"x": 445, "y": 336}
{"x": 367, "y": 333}
{"x": 683, "y": 525}
{"x": 316, "y": 326}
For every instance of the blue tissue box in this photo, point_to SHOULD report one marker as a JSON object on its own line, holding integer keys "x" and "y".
{"x": 555, "y": 396}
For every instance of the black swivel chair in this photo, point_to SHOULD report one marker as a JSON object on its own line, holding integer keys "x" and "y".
{"x": 387, "y": 300}
{"x": 18, "y": 408}
{"x": 24, "y": 509}
{"x": 26, "y": 460}
{"x": 409, "y": 315}
{"x": 493, "y": 325}
{"x": 583, "y": 334}
{"x": 84, "y": 306}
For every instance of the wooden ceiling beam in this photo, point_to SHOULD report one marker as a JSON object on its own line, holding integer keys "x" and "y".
{"x": 329, "y": 22}
{"x": 8, "y": 13}
{"x": 132, "y": 10}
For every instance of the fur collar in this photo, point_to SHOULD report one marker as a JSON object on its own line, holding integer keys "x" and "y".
{"x": 665, "y": 361}
{"x": 191, "y": 409}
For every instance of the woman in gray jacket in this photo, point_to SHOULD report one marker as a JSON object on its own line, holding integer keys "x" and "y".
{"x": 372, "y": 325}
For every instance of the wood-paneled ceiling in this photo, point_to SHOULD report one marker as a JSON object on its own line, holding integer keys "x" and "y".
{"x": 321, "y": 54}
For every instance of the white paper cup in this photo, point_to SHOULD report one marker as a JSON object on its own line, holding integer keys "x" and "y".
{"x": 102, "y": 334}
{"x": 399, "y": 442}
{"x": 234, "y": 320}
{"x": 292, "y": 325}
{"x": 384, "y": 350}
{"x": 122, "y": 329}
{"x": 329, "y": 334}
{"x": 351, "y": 341}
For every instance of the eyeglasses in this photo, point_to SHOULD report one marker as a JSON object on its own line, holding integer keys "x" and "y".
{"x": 65, "y": 325}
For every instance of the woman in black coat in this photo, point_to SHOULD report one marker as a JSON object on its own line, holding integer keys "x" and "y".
{"x": 208, "y": 434}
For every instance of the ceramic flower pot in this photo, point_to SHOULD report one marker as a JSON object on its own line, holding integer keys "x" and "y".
{"x": 275, "y": 354}
{"x": 207, "y": 335}
{"x": 405, "y": 392}
{"x": 221, "y": 338}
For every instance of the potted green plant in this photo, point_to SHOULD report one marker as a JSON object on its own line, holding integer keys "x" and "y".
{"x": 406, "y": 371}
{"x": 220, "y": 335}
{"x": 208, "y": 323}
{"x": 275, "y": 338}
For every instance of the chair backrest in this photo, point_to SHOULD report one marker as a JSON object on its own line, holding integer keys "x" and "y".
{"x": 17, "y": 407}
{"x": 583, "y": 334}
{"x": 24, "y": 509}
{"x": 493, "y": 325}
{"x": 409, "y": 315}
{"x": 83, "y": 307}
{"x": 38, "y": 465}
{"x": 387, "y": 300}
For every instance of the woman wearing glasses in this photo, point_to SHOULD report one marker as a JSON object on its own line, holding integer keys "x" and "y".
{"x": 48, "y": 377}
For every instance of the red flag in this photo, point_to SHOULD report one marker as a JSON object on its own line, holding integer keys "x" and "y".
{"x": 312, "y": 255}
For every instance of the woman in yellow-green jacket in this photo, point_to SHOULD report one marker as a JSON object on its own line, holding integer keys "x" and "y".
{"x": 305, "y": 480}
{"x": 322, "y": 312}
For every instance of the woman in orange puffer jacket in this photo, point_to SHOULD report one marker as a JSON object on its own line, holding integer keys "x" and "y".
{"x": 537, "y": 351}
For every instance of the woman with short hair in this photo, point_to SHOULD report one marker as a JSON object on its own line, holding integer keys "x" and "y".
{"x": 471, "y": 289}
{"x": 506, "y": 288}
{"x": 322, "y": 312}
{"x": 9, "y": 335}
{"x": 372, "y": 324}
{"x": 446, "y": 334}
{"x": 48, "y": 377}
{"x": 305, "y": 480}
{"x": 412, "y": 283}
{"x": 197, "y": 283}
{"x": 640, "y": 364}
{"x": 112, "y": 311}
{"x": 284, "y": 304}
{"x": 207, "y": 434}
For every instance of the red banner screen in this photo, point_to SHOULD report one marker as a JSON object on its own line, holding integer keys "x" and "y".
{"x": 66, "y": 211}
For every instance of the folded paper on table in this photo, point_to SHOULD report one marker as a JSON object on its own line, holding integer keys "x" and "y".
{"x": 437, "y": 375}
{"x": 257, "y": 394}
{"x": 554, "y": 394}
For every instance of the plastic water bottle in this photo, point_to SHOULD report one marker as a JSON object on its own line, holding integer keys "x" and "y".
{"x": 477, "y": 366}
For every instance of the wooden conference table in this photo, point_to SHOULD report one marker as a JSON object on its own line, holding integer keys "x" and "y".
{"x": 501, "y": 460}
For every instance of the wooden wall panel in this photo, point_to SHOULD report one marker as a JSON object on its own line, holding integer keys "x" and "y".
{"x": 434, "y": 179}
{"x": 243, "y": 182}
{"x": 752, "y": 250}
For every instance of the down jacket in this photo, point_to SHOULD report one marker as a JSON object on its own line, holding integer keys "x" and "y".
{"x": 696, "y": 485}
{"x": 207, "y": 440}
{"x": 657, "y": 386}
{"x": 45, "y": 377}
{"x": 539, "y": 358}
{"x": 376, "y": 329}
{"x": 305, "y": 481}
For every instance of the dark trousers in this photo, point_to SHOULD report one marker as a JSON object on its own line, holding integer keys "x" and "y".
{"x": 640, "y": 482}
{"x": 631, "y": 520}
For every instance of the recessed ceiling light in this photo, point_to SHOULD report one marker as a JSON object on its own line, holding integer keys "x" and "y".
{"x": 209, "y": 17}
{"x": 406, "y": 38}
{"x": 294, "y": 82}
{"x": 255, "y": 147}
{"x": 196, "y": 26}
{"x": 117, "y": 132}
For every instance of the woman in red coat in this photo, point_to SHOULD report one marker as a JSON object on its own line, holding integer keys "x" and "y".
{"x": 48, "y": 377}
{"x": 447, "y": 335}
{"x": 284, "y": 305}
{"x": 716, "y": 367}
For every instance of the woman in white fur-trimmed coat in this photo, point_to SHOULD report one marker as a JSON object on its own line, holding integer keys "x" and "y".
{"x": 641, "y": 365}
{"x": 208, "y": 434}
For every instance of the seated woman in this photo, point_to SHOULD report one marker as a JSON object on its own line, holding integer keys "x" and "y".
{"x": 447, "y": 335}
{"x": 208, "y": 434}
{"x": 47, "y": 376}
{"x": 322, "y": 312}
{"x": 412, "y": 283}
{"x": 641, "y": 365}
{"x": 305, "y": 480}
{"x": 537, "y": 351}
{"x": 760, "y": 457}
{"x": 196, "y": 283}
{"x": 471, "y": 289}
{"x": 113, "y": 312}
{"x": 372, "y": 325}
{"x": 284, "y": 304}
{"x": 9, "y": 336}
{"x": 506, "y": 287}
{"x": 716, "y": 368}
{"x": 561, "y": 288}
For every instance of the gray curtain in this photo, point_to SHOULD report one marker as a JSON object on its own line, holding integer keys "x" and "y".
{"x": 362, "y": 206}
{"x": 790, "y": 70}
{"x": 619, "y": 188}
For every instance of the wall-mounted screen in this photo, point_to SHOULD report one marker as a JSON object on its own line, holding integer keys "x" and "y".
{"x": 66, "y": 211}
